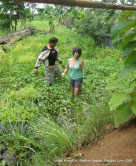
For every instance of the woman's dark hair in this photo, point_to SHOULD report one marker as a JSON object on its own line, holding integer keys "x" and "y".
{"x": 77, "y": 50}
{"x": 53, "y": 40}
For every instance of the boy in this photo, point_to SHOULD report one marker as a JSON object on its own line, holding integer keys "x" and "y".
{"x": 49, "y": 56}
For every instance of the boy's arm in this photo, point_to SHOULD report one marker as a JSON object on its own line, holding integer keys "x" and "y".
{"x": 58, "y": 58}
{"x": 60, "y": 61}
{"x": 44, "y": 55}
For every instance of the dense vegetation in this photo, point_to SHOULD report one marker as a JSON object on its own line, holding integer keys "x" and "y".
{"x": 12, "y": 12}
{"x": 40, "y": 124}
{"x": 38, "y": 121}
{"x": 123, "y": 102}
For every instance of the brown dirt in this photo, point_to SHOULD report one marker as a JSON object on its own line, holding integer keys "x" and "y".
{"x": 117, "y": 148}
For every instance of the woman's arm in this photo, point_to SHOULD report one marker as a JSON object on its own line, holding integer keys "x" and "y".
{"x": 66, "y": 70}
{"x": 82, "y": 65}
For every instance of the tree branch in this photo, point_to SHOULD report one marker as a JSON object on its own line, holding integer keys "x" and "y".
{"x": 81, "y": 3}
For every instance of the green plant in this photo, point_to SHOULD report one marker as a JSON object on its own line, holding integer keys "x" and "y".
{"x": 39, "y": 123}
{"x": 123, "y": 102}
{"x": 97, "y": 23}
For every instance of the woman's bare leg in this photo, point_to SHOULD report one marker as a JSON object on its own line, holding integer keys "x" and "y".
{"x": 76, "y": 91}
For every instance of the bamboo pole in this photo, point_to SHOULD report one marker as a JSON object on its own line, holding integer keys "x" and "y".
{"x": 82, "y": 3}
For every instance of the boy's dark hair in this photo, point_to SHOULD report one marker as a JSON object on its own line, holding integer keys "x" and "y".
{"x": 77, "y": 50}
{"x": 53, "y": 40}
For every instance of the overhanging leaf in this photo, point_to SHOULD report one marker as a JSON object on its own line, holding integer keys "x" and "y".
{"x": 131, "y": 58}
{"x": 125, "y": 14}
{"x": 133, "y": 105}
{"x": 128, "y": 26}
{"x": 118, "y": 28}
{"x": 116, "y": 85}
{"x": 132, "y": 84}
{"x": 128, "y": 69}
{"x": 122, "y": 114}
{"x": 115, "y": 40}
{"x": 117, "y": 99}
{"x": 128, "y": 38}
{"x": 130, "y": 47}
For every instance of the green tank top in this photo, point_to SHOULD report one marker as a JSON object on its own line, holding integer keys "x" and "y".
{"x": 75, "y": 72}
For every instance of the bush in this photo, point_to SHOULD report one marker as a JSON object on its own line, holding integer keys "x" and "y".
{"x": 96, "y": 24}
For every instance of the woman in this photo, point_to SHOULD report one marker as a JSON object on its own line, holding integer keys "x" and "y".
{"x": 75, "y": 65}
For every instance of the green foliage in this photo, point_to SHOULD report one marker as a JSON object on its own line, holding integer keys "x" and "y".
{"x": 131, "y": 58}
{"x": 133, "y": 105}
{"x": 39, "y": 124}
{"x": 123, "y": 103}
{"x": 122, "y": 114}
{"x": 96, "y": 23}
{"x": 128, "y": 69}
{"x": 12, "y": 12}
{"x": 52, "y": 136}
{"x": 117, "y": 29}
{"x": 45, "y": 12}
{"x": 118, "y": 99}
{"x": 75, "y": 13}
{"x": 27, "y": 93}
{"x": 129, "y": 48}
{"x": 87, "y": 44}
{"x": 11, "y": 106}
{"x": 129, "y": 37}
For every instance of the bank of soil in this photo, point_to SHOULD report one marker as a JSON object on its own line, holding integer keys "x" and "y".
{"x": 117, "y": 148}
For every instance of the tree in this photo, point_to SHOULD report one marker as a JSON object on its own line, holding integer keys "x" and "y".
{"x": 7, "y": 15}
{"x": 11, "y": 12}
{"x": 60, "y": 10}
{"x": 97, "y": 23}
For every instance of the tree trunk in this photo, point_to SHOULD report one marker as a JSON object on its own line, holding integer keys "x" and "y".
{"x": 82, "y": 3}
{"x": 52, "y": 29}
{"x": 20, "y": 34}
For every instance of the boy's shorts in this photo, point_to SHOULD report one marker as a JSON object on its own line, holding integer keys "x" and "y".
{"x": 76, "y": 83}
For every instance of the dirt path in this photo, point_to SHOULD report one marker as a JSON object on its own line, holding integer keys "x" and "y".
{"x": 117, "y": 148}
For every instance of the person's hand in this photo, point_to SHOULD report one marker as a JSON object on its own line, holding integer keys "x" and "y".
{"x": 63, "y": 74}
{"x": 35, "y": 71}
{"x": 90, "y": 72}
{"x": 63, "y": 66}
